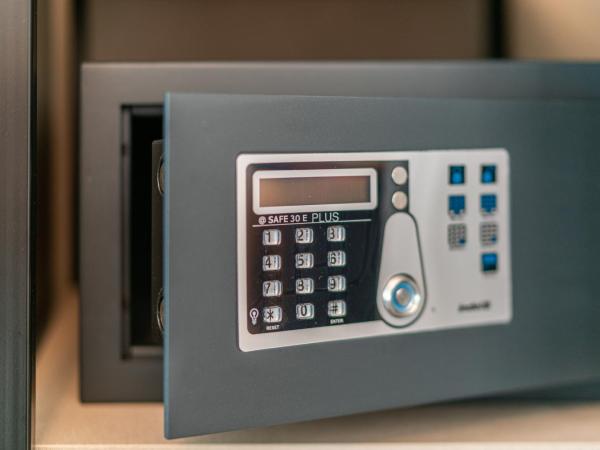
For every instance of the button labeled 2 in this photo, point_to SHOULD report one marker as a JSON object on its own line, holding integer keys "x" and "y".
{"x": 304, "y": 235}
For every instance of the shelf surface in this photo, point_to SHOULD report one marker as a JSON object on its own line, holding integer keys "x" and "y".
{"x": 62, "y": 421}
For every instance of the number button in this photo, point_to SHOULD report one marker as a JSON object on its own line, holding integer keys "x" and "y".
{"x": 272, "y": 314}
{"x": 336, "y": 233}
{"x": 336, "y": 308}
{"x": 336, "y": 258}
{"x": 304, "y": 236}
{"x": 336, "y": 283}
{"x": 271, "y": 237}
{"x": 272, "y": 288}
{"x": 305, "y": 311}
{"x": 305, "y": 286}
{"x": 271, "y": 263}
{"x": 305, "y": 260}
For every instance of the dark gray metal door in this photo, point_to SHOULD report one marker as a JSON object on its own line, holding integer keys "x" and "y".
{"x": 16, "y": 131}
{"x": 211, "y": 385}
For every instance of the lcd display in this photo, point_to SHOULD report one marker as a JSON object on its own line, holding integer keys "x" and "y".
{"x": 300, "y": 191}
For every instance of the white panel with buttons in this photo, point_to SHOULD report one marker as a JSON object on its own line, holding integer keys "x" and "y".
{"x": 334, "y": 246}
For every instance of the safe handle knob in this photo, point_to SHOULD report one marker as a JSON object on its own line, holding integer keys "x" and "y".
{"x": 402, "y": 296}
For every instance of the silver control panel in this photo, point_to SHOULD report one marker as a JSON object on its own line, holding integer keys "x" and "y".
{"x": 337, "y": 246}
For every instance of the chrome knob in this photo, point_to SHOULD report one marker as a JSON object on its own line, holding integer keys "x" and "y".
{"x": 402, "y": 296}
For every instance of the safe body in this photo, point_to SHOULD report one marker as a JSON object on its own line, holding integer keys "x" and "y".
{"x": 543, "y": 115}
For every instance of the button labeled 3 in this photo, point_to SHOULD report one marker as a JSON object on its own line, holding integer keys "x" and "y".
{"x": 336, "y": 233}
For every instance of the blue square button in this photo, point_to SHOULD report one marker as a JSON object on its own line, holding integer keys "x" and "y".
{"x": 488, "y": 204}
{"x": 489, "y": 262}
{"x": 456, "y": 205}
{"x": 456, "y": 175}
{"x": 488, "y": 174}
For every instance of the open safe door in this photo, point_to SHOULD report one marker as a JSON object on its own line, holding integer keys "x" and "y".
{"x": 326, "y": 256}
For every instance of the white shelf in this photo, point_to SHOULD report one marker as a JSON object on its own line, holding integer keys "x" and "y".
{"x": 64, "y": 422}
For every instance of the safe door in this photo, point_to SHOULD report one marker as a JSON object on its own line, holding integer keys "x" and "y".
{"x": 325, "y": 256}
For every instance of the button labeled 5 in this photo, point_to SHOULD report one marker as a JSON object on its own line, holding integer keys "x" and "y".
{"x": 305, "y": 260}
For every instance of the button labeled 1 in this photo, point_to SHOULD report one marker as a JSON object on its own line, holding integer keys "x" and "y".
{"x": 305, "y": 311}
{"x": 271, "y": 237}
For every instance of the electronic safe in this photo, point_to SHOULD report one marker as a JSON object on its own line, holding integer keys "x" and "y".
{"x": 327, "y": 255}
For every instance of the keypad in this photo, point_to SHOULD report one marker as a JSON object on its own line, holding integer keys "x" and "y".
{"x": 304, "y": 235}
{"x": 336, "y": 233}
{"x": 319, "y": 257}
{"x": 272, "y": 288}
{"x": 304, "y": 260}
{"x": 271, "y": 263}
{"x": 271, "y": 237}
